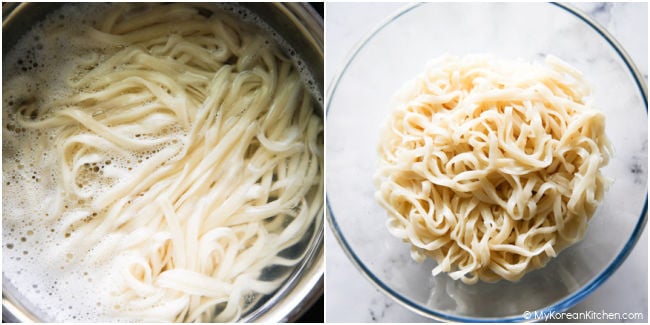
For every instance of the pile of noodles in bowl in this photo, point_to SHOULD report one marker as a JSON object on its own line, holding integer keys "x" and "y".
{"x": 487, "y": 172}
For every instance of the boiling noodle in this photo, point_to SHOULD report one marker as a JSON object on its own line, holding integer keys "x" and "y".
{"x": 165, "y": 157}
{"x": 492, "y": 167}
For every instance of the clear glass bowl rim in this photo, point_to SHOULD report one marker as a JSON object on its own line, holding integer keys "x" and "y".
{"x": 565, "y": 303}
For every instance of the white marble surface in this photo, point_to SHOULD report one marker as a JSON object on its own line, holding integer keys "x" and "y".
{"x": 352, "y": 298}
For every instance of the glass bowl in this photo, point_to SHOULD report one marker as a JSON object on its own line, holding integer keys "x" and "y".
{"x": 396, "y": 52}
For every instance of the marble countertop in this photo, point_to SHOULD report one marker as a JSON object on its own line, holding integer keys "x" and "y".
{"x": 350, "y": 297}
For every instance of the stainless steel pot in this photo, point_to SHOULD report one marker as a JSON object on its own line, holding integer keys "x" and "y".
{"x": 302, "y": 27}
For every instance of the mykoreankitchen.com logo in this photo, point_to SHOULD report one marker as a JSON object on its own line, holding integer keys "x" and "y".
{"x": 590, "y": 315}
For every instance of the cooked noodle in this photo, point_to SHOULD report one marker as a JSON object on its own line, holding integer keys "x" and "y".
{"x": 188, "y": 154}
{"x": 492, "y": 167}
